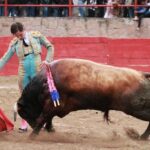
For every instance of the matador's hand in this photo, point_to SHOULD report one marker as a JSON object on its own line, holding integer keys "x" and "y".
{"x": 45, "y": 62}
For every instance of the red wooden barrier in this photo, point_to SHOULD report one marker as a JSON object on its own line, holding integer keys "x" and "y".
{"x": 132, "y": 53}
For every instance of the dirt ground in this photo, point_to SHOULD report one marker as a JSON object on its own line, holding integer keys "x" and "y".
{"x": 81, "y": 130}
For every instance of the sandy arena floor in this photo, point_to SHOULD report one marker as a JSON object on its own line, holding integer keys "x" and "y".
{"x": 81, "y": 130}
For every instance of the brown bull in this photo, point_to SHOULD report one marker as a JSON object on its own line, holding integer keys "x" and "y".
{"x": 83, "y": 84}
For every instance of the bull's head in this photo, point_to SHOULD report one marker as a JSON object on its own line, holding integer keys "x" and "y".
{"x": 30, "y": 103}
{"x": 26, "y": 112}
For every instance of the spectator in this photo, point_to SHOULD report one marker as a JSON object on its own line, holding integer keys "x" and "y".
{"x": 116, "y": 8}
{"x": 75, "y": 9}
{"x": 91, "y": 10}
{"x": 112, "y": 10}
{"x": 55, "y": 9}
{"x": 60, "y": 11}
{"x": 45, "y": 10}
{"x": 27, "y": 46}
{"x": 101, "y": 10}
{"x": 1, "y": 8}
{"x": 139, "y": 10}
{"x": 143, "y": 11}
{"x": 128, "y": 11}
{"x": 22, "y": 10}
{"x": 65, "y": 10}
{"x": 147, "y": 12}
{"x": 12, "y": 11}
{"x": 31, "y": 10}
{"x": 109, "y": 10}
{"x": 81, "y": 9}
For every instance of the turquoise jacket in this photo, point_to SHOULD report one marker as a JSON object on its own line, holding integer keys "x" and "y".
{"x": 36, "y": 41}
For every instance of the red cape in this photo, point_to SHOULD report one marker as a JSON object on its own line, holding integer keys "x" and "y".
{"x": 5, "y": 123}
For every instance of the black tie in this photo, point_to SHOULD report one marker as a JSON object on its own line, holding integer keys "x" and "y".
{"x": 25, "y": 44}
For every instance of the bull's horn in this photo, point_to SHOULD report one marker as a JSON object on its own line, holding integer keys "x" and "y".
{"x": 54, "y": 103}
{"x": 15, "y": 111}
{"x": 58, "y": 102}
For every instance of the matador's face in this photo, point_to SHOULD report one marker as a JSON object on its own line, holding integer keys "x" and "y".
{"x": 19, "y": 34}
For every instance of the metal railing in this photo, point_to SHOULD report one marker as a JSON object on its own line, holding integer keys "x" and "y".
{"x": 70, "y": 6}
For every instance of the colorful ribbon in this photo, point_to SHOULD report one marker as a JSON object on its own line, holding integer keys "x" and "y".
{"x": 52, "y": 88}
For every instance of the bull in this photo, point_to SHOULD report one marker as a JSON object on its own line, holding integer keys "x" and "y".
{"x": 83, "y": 84}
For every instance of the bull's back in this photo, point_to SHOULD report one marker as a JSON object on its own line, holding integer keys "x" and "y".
{"x": 78, "y": 74}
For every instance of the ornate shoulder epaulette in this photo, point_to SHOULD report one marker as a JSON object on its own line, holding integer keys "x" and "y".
{"x": 13, "y": 41}
{"x": 35, "y": 33}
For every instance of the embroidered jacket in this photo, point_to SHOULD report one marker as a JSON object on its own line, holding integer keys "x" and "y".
{"x": 36, "y": 40}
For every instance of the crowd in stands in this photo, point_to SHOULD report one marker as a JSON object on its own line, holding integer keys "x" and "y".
{"x": 113, "y": 9}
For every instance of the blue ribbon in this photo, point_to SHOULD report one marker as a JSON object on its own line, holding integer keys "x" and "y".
{"x": 54, "y": 95}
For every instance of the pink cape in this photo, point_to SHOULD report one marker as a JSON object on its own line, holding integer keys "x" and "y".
{"x": 5, "y": 123}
